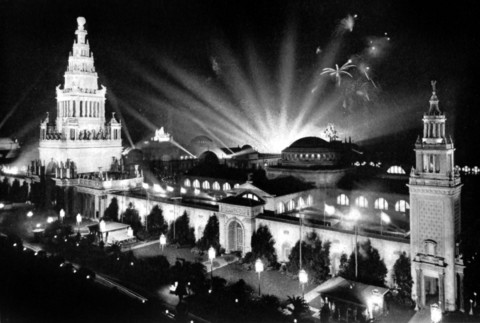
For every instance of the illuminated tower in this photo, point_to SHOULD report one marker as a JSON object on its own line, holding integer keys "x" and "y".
{"x": 80, "y": 134}
{"x": 435, "y": 189}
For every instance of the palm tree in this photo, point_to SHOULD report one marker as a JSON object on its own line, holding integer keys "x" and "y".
{"x": 337, "y": 72}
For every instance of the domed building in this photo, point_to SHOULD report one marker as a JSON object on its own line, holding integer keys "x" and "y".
{"x": 314, "y": 160}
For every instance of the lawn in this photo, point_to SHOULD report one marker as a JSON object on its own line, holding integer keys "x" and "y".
{"x": 171, "y": 253}
{"x": 272, "y": 282}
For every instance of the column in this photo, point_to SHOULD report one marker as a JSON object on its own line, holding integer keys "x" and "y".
{"x": 441, "y": 291}
{"x": 97, "y": 206}
{"x": 460, "y": 291}
{"x": 425, "y": 130}
{"x": 419, "y": 284}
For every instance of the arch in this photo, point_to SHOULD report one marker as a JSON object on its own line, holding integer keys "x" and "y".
{"x": 301, "y": 202}
{"x": 280, "y": 207}
{"x": 235, "y": 236}
{"x": 290, "y": 205}
{"x": 395, "y": 170}
{"x": 187, "y": 183}
{"x": 402, "y": 206}
{"x": 196, "y": 183}
{"x": 361, "y": 201}
{"x": 250, "y": 196}
{"x": 216, "y": 186}
{"x": 309, "y": 200}
{"x": 226, "y": 187}
{"x": 342, "y": 199}
{"x": 206, "y": 185}
{"x": 236, "y": 185}
{"x": 381, "y": 204}
{"x": 286, "y": 250}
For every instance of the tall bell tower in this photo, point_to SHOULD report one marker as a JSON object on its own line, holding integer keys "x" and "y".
{"x": 435, "y": 189}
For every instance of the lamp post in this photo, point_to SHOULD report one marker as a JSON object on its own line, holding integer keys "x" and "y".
{"x": 259, "y": 269}
{"x": 383, "y": 218}
{"x": 303, "y": 278}
{"x": 163, "y": 241}
{"x": 175, "y": 199}
{"x": 145, "y": 187}
{"x": 62, "y": 215}
{"x": 79, "y": 220}
{"x": 102, "y": 226}
{"x": 355, "y": 215}
{"x": 211, "y": 256}
{"x": 435, "y": 313}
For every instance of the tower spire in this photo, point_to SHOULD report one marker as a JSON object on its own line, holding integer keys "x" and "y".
{"x": 434, "y": 109}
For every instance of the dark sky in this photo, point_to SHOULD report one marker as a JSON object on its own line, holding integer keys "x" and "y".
{"x": 128, "y": 38}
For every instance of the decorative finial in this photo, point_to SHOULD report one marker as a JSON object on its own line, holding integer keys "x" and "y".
{"x": 81, "y": 22}
{"x": 434, "y": 88}
{"x": 434, "y": 109}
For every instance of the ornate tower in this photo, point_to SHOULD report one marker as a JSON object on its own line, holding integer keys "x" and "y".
{"x": 80, "y": 133}
{"x": 435, "y": 190}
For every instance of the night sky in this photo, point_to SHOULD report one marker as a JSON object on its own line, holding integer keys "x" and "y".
{"x": 133, "y": 40}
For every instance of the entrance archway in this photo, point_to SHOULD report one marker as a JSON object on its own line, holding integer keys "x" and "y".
{"x": 235, "y": 236}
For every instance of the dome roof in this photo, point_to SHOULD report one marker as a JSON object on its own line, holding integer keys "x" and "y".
{"x": 310, "y": 142}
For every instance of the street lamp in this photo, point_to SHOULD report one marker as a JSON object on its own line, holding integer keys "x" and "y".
{"x": 102, "y": 226}
{"x": 29, "y": 214}
{"x": 435, "y": 313}
{"x": 163, "y": 241}
{"x": 383, "y": 218}
{"x": 355, "y": 215}
{"x": 303, "y": 278}
{"x": 79, "y": 220}
{"x": 2, "y": 206}
{"x": 145, "y": 187}
{"x": 175, "y": 199}
{"x": 211, "y": 256}
{"x": 62, "y": 215}
{"x": 259, "y": 269}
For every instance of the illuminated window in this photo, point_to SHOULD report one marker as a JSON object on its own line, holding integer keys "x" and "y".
{"x": 236, "y": 186}
{"x": 395, "y": 170}
{"x": 226, "y": 187}
{"x": 361, "y": 201}
{"x": 251, "y": 196}
{"x": 402, "y": 206}
{"x": 196, "y": 183}
{"x": 309, "y": 200}
{"x": 216, "y": 186}
{"x": 280, "y": 207}
{"x": 381, "y": 204}
{"x": 301, "y": 202}
{"x": 342, "y": 199}
{"x": 187, "y": 183}
{"x": 206, "y": 185}
{"x": 291, "y": 205}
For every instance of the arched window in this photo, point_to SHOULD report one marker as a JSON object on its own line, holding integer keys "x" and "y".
{"x": 361, "y": 201}
{"x": 342, "y": 199}
{"x": 216, "y": 186}
{"x": 381, "y": 204}
{"x": 395, "y": 170}
{"x": 236, "y": 186}
{"x": 226, "y": 187}
{"x": 291, "y": 205}
{"x": 309, "y": 200}
{"x": 280, "y": 207}
{"x": 402, "y": 206}
{"x": 206, "y": 185}
{"x": 301, "y": 202}
{"x": 251, "y": 196}
{"x": 196, "y": 183}
{"x": 187, "y": 183}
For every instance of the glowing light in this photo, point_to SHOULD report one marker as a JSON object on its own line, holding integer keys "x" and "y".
{"x": 145, "y": 186}
{"x": 183, "y": 190}
{"x": 2, "y": 205}
{"x": 196, "y": 191}
{"x": 157, "y": 188}
{"x": 170, "y": 189}
{"x": 302, "y": 276}
{"x": 385, "y": 218}
{"x": 329, "y": 209}
{"x": 50, "y": 219}
{"x": 29, "y": 214}
{"x": 337, "y": 72}
{"x": 354, "y": 214}
{"x": 38, "y": 225}
{"x": 348, "y": 22}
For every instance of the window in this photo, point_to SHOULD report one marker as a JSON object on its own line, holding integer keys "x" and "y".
{"x": 251, "y": 196}
{"x": 291, "y": 205}
{"x": 381, "y": 204}
{"x": 309, "y": 200}
{"x": 342, "y": 199}
{"x": 280, "y": 207}
{"x": 226, "y": 187}
{"x": 196, "y": 183}
{"x": 187, "y": 183}
{"x": 236, "y": 186}
{"x": 395, "y": 170}
{"x": 216, "y": 186}
{"x": 402, "y": 206}
{"x": 301, "y": 202}
{"x": 206, "y": 185}
{"x": 361, "y": 201}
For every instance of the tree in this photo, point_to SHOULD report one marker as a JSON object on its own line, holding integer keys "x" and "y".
{"x": 403, "y": 276}
{"x": 156, "y": 221}
{"x": 132, "y": 217}
{"x": 111, "y": 212}
{"x": 371, "y": 268}
{"x": 300, "y": 306}
{"x": 263, "y": 246}
{"x": 315, "y": 258}
{"x": 181, "y": 232}
{"x": 211, "y": 235}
